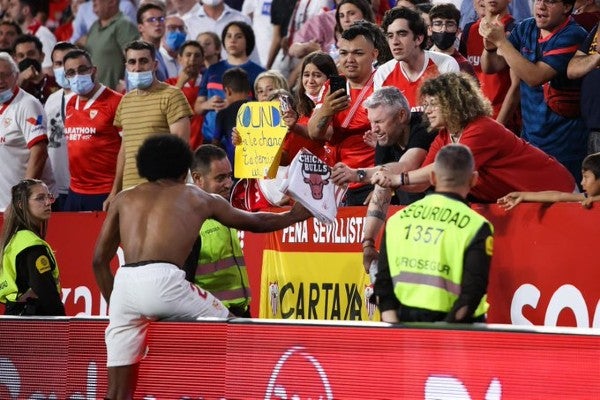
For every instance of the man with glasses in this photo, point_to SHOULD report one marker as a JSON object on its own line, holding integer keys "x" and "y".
{"x": 444, "y": 30}
{"x": 172, "y": 40}
{"x": 23, "y": 138}
{"x": 107, "y": 39}
{"x": 538, "y": 52}
{"x": 93, "y": 141}
{"x": 151, "y": 25}
{"x": 406, "y": 32}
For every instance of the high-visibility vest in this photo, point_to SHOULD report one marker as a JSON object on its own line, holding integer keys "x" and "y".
{"x": 221, "y": 267}
{"x": 8, "y": 274}
{"x": 426, "y": 243}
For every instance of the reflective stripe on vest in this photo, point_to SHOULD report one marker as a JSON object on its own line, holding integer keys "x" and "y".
{"x": 230, "y": 295}
{"x": 435, "y": 281}
{"x": 425, "y": 244}
{"x": 209, "y": 268}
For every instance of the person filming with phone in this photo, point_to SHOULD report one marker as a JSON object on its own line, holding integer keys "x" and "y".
{"x": 339, "y": 117}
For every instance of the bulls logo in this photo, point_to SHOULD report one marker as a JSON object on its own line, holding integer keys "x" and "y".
{"x": 315, "y": 173}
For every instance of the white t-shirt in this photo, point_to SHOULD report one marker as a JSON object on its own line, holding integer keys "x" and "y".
{"x": 22, "y": 125}
{"x": 201, "y": 22}
{"x": 57, "y": 144}
{"x": 48, "y": 42}
{"x": 261, "y": 24}
{"x": 170, "y": 62}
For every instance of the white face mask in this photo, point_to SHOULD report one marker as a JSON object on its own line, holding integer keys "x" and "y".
{"x": 211, "y": 3}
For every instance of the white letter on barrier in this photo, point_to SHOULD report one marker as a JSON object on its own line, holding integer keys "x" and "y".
{"x": 596, "y": 323}
{"x": 494, "y": 391}
{"x": 83, "y": 291}
{"x": 445, "y": 388}
{"x": 451, "y": 388}
{"x": 567, "y": 296}
{"x": 525, "y": 295}
{"x": 10, "y": 378}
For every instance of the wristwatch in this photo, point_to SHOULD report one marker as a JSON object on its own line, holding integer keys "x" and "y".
{"x": 362, "y": 174}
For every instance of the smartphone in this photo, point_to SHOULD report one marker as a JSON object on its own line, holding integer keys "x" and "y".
{"x": 284, "y": 103}
{"x": 337, "y": 82}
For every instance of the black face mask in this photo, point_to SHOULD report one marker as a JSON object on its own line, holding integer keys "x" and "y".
{"x": 443, "y": 40}
{"x": 27, "y": 62}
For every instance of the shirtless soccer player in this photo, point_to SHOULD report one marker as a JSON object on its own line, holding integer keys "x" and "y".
{"x": 156, "y": 223}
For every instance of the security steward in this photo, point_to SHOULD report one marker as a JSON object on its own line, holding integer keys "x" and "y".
{"x": 220, "y": 266}
{"x": 29, "y": 277}
{"x": 436, "y": 253}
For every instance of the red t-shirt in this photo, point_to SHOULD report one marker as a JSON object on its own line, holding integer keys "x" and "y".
{"x": 190, "y": 91}
{"x": 505, "y": 162}
{"x": 493, "y": 86}
{"x": 391, "y": 74}
{"x": 347, "y": 144}
{"x": 93, "y": 141}
{"x": 294, "y": 142}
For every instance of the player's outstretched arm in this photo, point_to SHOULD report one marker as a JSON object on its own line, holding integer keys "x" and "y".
{"x": 256, "y": 221}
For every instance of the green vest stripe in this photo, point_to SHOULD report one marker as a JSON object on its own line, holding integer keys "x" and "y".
{"x": 429, "y": 280}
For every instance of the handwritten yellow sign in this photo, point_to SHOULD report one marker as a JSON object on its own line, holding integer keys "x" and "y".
{"x": 262, "y": 130}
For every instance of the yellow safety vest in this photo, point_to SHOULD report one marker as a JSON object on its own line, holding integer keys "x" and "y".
{"x": 425, "y": 243}
{"x": 221, "y": 268}
{"x": 8, "y": 275}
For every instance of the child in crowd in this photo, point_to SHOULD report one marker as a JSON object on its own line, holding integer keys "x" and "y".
{"x": 590, "y": 169}
{"x": 237, "y": 88}
{"x": 267, "y": 82}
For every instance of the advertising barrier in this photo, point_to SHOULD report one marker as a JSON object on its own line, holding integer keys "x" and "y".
{"x": 260, "y": 359}
{"x": 544, "y": 269}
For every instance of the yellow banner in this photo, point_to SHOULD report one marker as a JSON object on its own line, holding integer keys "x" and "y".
{"x": 262, "y": 131}
{"x": 303, "y": 285}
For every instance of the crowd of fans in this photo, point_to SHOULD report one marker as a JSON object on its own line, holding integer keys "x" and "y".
{"x": 82, "y": 83}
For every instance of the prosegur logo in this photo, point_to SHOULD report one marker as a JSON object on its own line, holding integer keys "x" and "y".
{"x": 35, "y": 121}
{"x": 298, "y": 375}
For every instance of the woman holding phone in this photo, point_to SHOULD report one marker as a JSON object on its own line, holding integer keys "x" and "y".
{"x": 316, "y": 68}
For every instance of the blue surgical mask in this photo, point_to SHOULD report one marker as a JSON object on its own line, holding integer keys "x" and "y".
{"x": 175, "y": 39}
{"x": 6, "y": 95}
{"x": 139, "y": 80}
{"x": 82, "y": 84}
{"x": 61, "y": 79}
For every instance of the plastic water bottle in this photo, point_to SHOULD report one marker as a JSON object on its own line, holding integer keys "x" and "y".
{"x": 373, "y": 270}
